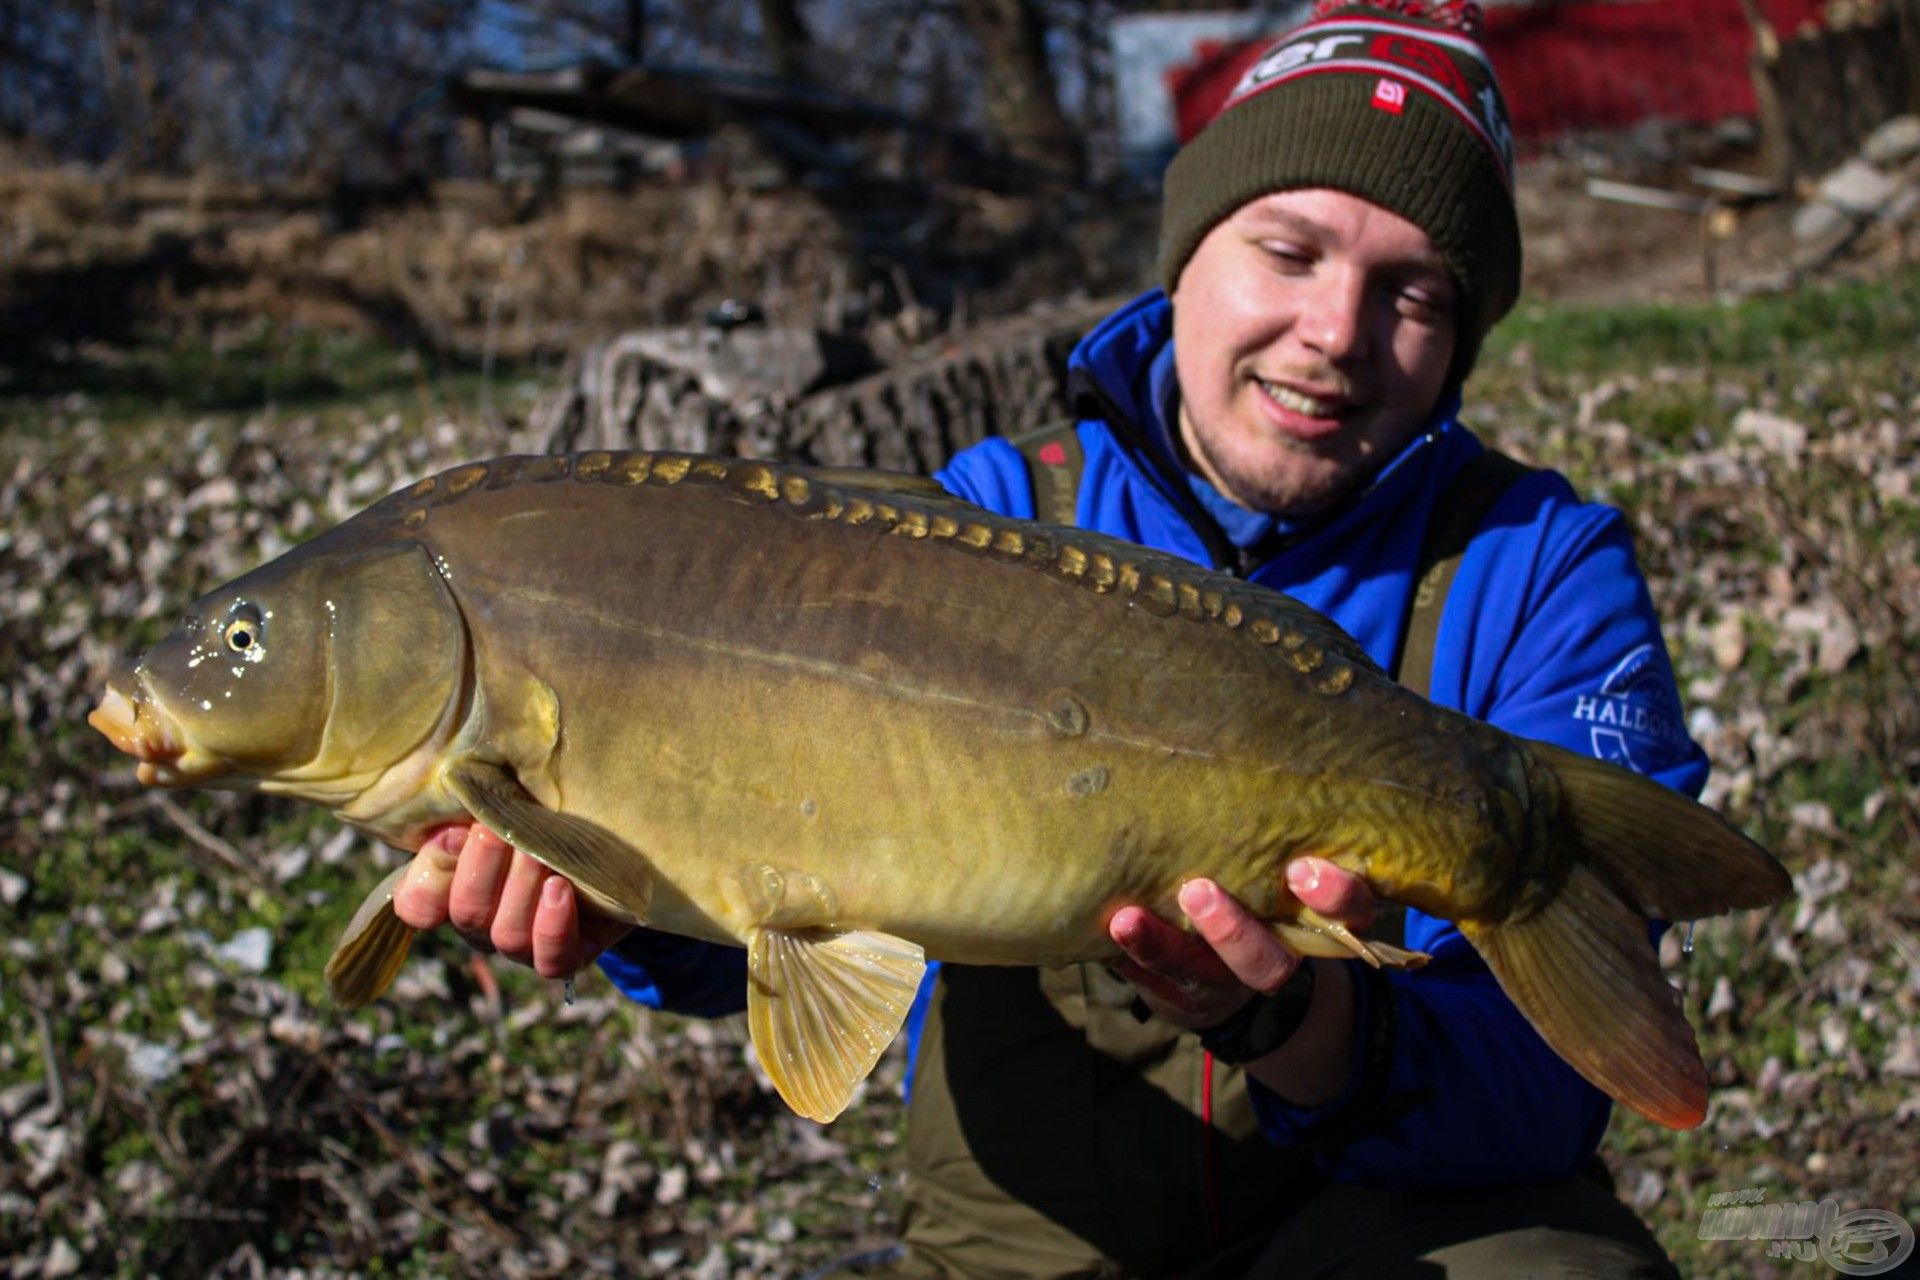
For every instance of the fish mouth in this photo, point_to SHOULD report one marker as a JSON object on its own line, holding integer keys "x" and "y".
{"x": 138, "y": 728}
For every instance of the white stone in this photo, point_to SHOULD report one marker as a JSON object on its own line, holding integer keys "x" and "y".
{"x": 1834, "y": 1035}
{"x": 1894, "y": 141}
{"x": 1858, "y": 188}
{"x": 1818, "y": 220}
{"x": 712, "y": 1267}
{"x": 1903, "y": 1055}
{"x": 1829, "y": 928}
{"x": 1729, "y": 642}
{"x": 1771, "y": 432}
{"x": 153, "y": 1063}
{"x": 1904, "y": 205}
{"x": 1814, "y": 815}
{"x": 249, "y": 949}
{"x": 62, "y": 1260}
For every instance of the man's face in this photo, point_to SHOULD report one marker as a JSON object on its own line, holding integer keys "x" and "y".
{"x": 1313, "y": 333}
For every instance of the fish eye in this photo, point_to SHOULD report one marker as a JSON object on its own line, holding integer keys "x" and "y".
{"x": 243, "y": 633}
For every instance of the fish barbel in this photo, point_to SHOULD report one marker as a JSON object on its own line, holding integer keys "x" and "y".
{"x": 849, "y": 722}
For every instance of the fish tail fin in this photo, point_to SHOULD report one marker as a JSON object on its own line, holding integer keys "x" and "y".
{"x": 1666, "y": 853}
{"x": 1583, "y": 968}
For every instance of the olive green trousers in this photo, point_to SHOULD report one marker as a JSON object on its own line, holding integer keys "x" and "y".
{"x": 1569, "y": 1228}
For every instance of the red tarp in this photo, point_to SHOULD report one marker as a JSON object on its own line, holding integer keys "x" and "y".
{"x": 1572, "y": 66}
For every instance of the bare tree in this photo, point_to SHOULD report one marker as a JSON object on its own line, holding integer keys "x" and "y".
{"x": 1022, "y": 95}
{"x": 788, "y": 41}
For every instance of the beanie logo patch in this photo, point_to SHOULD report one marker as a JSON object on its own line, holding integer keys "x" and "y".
{"x": 1389, "y": 95}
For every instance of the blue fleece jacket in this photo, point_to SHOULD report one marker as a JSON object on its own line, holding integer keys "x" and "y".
{"x": 1548, "y": 632}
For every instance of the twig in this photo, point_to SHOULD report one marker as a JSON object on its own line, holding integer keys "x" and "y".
{"x": 50, "y": 1056}
{"x": 1647, "y": 197}
{"x": 211, "y": 843}
{"x": 424, "y": 1171}
{"x": 487, "y": 354}
{"x": 1826, "y": 257}
{"x": 1899, "y": 938}
{"x": 1890, "y": 779}
{"x": 1860, "y": 590}
{"x": 1735, "y": 184}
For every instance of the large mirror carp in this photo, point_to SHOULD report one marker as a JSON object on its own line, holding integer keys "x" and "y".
{"x": 849, "y": 722}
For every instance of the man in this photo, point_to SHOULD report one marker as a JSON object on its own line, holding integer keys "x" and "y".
{"x": 1335, "y": 246}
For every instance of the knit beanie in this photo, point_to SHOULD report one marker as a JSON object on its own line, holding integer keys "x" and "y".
{"x": 1393, "y": 102}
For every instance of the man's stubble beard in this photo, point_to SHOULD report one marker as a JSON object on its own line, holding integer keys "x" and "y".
{"x": 1245, "y": 487}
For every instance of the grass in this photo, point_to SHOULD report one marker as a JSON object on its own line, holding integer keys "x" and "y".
{"x": 1843, "y": 322}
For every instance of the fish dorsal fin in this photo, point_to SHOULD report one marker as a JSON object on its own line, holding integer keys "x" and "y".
{"x": 616, "y": 877}
{"x": 371, "y": 949}
{"x": 823, "y": 1006}
{"x": 902, "y": 483}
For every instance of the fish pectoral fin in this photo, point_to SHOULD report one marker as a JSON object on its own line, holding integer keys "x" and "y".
{"x": 616, "y": 877}
{"x": 371, "y": 950}
{"x": 823, "y": 1006}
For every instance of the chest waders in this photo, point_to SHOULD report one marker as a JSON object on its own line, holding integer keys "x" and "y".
{"x": 1056, "y": 1131}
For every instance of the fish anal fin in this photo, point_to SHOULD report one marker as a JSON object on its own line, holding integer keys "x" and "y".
{"x": 1585, "y": 973}
{"x": 371, "y": 949}
{"x": 822, "y": 1007}
{"x": 616, "y": 877}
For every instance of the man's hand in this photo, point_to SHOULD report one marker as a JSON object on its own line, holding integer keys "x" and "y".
{"x": 499, "y": 899}
{"x": 1198, "y": 980}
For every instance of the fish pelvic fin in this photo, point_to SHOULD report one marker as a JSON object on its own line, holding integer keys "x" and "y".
{"x": 1586, "y": 975}
{"x": 1312, "y": 934}
{"x": 823, "y": 1006}
{"x": 616, "y": 877}
{"x": 371, "y": 950}
{"x": 1664, "y": 852}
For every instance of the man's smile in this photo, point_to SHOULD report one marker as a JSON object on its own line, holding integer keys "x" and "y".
{"x": 1307, "y": 403}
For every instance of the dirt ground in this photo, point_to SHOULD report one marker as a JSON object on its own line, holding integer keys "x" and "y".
{"x": 475, "y": 269}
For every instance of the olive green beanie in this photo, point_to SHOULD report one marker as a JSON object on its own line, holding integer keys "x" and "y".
{"x": 1396, "y": 105}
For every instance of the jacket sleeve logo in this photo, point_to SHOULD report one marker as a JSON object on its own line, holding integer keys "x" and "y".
{"x": 1635, "y": 717}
